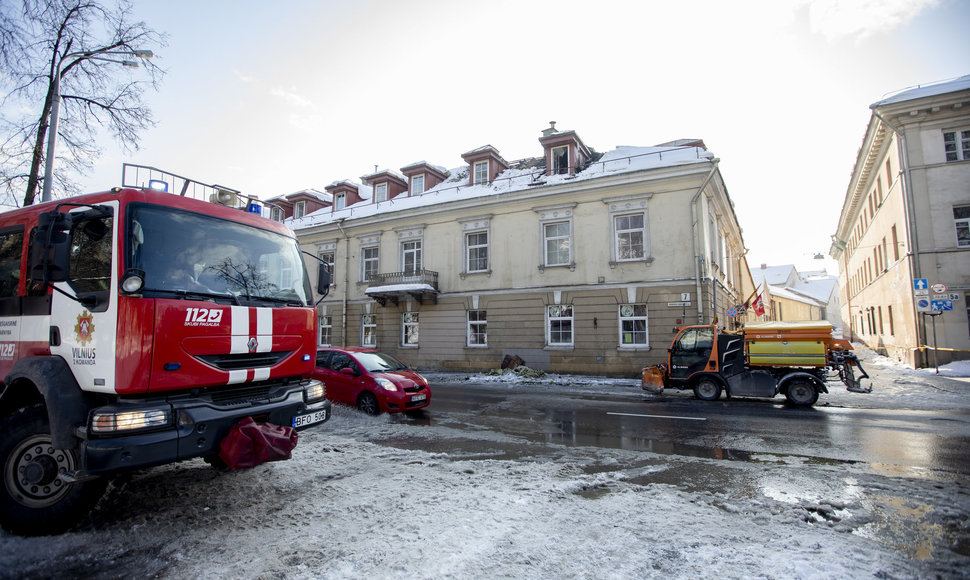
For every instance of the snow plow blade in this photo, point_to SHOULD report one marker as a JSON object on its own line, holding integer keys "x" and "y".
{"x": 652, "y": 379}
{"x": 847, "y": 374}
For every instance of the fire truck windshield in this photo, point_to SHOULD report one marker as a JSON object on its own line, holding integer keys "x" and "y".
{"x": 193, "y": 256}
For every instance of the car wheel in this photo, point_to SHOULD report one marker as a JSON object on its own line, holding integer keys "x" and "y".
{"x": 802, "y": 393}
{"x": 34, "y": 500}
{"x": 707, "y": 390}
{"x": 367, "y": 404}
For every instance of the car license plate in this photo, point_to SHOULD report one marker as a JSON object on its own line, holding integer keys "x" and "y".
{"x": 309, "y": 419}
{"x": 418, "y": 398}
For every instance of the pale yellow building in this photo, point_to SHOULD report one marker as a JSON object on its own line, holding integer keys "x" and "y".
{"x": 903, "y": 239}
{"x": 575, "y": 261}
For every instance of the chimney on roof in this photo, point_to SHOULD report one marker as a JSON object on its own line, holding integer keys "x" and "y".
{"x": 764, "y": 266}
{"x": 550, "y": 130}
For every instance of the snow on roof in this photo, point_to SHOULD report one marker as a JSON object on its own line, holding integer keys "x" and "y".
{"x": 794, "y": 295}
{"x": 921, "y": 91}
{"x": 624, "y": 159}
{"x": 818, "y": 288}
{"x": 773, "y": 275}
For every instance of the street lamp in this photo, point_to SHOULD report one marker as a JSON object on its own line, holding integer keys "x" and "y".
{"x": 56, "y": 104}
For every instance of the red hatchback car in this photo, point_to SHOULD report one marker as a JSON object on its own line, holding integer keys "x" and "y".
{"x": 370, "y": 380}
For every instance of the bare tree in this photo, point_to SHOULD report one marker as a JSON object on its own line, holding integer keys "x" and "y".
{"x": 83, "y": 41}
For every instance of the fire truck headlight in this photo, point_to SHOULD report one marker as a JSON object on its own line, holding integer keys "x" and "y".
{"x": 133, "y": 281}
{"x": 314, "y": 392}
{"x": 108, "y": 421}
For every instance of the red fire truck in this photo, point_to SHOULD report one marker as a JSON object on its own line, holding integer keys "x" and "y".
{"x": 136, "y": 329}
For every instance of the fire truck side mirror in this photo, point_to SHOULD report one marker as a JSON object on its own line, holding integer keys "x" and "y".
{"x": 50, "y": 256}
{"x": 323, "y": 281}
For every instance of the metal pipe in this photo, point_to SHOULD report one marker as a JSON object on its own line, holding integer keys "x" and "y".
{"x": 697, "y": 256}
{"x": 343, "y": 318}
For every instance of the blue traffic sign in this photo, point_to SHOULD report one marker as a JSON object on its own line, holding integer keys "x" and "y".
{"x": 920, "y": 284}
{"x": 941, "y": 305}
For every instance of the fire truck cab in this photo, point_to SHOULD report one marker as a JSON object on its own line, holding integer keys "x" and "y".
{"x": 136, "y": 329}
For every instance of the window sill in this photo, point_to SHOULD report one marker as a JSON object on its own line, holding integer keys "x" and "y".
{"x": 626, "y": 348}
{"x": 488, "y": 273}
{"x": 476, "y": 346}
{"x": 559, "y": 347}
{"x": 572, "y": 267}
{"x": 410, "y": 346}
{"x": 645, "y": 261}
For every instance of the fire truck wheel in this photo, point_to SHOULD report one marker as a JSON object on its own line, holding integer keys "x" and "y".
{"x": 367, "y": 404}
{"x": 707, "y": 390}
{"x": 801, "y": 392}
{"x": 33, "y": 500}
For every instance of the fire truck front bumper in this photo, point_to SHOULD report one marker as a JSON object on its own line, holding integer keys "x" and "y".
{"x": 138, "y": 434}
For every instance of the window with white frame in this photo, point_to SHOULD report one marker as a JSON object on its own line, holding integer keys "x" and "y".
{"x": 560, "y": 159}
{"x": 633, "y": 325}
{"x": 630, "y": 231}
{"x": 477, "y": 330}
{"x": 325, "y": 337}
{"x": 369, "y": 263}
{"x": 630, "y": 227}
{"x": 480, "y": 174}
{"x": 559, "y": 325}
{"x": 417, "y": 184}
{"x": 956, "y": 144}
{"x": 961, "y": 220}
{"x": 380, "y": 192}
{"x": 276, "y": 214}
{"x": 300, "y": 209}
{"x": 411, "y": 257}
{"x": 409, "y": 329}
{"x": 476, "y": 251}
{"x": 368, "y": 330}
{"x": 556, "y": 243}
{"x": 340, "y": 201}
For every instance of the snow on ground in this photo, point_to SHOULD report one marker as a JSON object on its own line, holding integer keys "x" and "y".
{"x": 394, "y": 497}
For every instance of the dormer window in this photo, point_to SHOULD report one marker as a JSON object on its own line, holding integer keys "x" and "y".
{"x": 481, "y": 172}
{"x": 300, "y": 209}
{"x": 560, "y": 160}
{"x": 340, "y": 201}
{"x": 417, "y": 184}
{"x": 564, "y": 151}
{"x": 380, "y": 192}
{"x": 276, "y": 214}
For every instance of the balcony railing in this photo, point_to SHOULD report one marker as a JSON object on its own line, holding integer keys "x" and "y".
{"x": 419, "y": 284}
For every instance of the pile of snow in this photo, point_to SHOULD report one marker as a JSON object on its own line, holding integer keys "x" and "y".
{"x": 398, "y": 497}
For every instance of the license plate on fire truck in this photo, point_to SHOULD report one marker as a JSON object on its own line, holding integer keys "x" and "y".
{"x": 309, "y": 419}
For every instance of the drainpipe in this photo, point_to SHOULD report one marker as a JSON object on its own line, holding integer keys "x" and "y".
{"x": 912, "y": 234}
{"x": 694, "y": 231}
{"x": 343, "y": 317}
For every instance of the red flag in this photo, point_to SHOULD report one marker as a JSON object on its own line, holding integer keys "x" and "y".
{"x": 759, "y": 305}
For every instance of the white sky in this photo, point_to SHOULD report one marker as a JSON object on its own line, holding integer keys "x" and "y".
{"x": 274, "y": 97}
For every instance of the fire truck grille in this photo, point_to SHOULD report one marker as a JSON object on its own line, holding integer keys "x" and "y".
{"x": 233, "y": 362}
{"x": 243, "y": 396}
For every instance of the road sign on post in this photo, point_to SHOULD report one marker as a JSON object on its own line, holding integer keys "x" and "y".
{"x": 920, "y": 284}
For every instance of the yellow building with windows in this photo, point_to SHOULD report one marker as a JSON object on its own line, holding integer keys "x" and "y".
{"x": 575, "y": 261}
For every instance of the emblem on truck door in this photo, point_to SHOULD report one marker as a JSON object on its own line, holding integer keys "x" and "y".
{"x": 84, "y": 329}
{"x": 252, "y": 344}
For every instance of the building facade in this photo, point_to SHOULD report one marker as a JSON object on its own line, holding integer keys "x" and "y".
{"x": 905, "y": 227}
{"x": 574, "y": 261}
